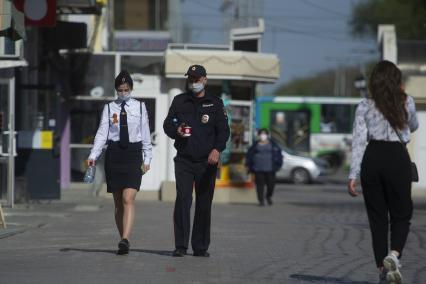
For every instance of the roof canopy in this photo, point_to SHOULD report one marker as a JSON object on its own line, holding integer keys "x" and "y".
{"x": 224, "y": 64}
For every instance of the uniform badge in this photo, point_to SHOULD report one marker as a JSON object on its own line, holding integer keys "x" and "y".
{"x": 114, "y": 118}
{"x": 205, "y": 118}
{"x": 193, "y": 68}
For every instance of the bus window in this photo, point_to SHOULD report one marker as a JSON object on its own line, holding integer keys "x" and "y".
{"x": 336, "y": 118}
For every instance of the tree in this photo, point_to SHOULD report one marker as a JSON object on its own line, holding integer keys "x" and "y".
{"x": 408, "y": 16}
{"x": 323, "y": 83}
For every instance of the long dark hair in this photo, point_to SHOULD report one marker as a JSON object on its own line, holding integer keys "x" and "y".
{"x": 387, "y": 93}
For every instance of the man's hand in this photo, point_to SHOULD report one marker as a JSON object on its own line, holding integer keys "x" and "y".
{"x": 352, "y": 189}
{"x": 180, "y": 130}
{"x": 213, "y": 157}
{"x": 91, "y": 162}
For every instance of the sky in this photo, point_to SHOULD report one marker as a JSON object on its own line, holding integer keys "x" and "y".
{"x": 308, "y": 36}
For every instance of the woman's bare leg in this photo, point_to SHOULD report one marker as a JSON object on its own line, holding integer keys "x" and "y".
{"x": 118, "y": 212}
{"x": 129, "y": 195}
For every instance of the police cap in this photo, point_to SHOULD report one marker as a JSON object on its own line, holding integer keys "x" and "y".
{"x": 122, "y": 78}
{"x": 196, "y": 71}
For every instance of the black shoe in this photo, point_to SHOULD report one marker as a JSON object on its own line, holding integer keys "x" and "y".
{"x": 261, "y": 203}
{"x": 123, "y": 247}
{"x": 269, "y": 200}
{"x": 202, "y": 253}
{"x": 179, "y": 252}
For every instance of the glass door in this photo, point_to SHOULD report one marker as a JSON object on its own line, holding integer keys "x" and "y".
{"x": 7, "y": 140}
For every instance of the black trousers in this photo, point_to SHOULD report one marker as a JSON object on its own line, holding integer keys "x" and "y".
{"x": 386, "y": 185}
{"x": 262, "y": 178}
{"x": 203, "y": 177}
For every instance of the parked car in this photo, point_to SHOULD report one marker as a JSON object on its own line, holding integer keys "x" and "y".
{"x": 300, "y": 169}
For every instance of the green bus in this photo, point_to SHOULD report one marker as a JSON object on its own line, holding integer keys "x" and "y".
{"x": 315, "y": 126}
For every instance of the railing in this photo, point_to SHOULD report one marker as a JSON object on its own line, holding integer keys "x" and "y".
{"x": 187, "y": 46}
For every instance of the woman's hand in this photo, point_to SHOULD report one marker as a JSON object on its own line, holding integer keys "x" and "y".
{"x": 352, "y": 188}
{"x": 145, "y": 168}
{"x": 91, "y": 162}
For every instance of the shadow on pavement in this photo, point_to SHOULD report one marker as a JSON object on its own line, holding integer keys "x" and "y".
{"x": 157, "y": 252}
{"x": 325, "y": 279}
{"x": 89, "y": 250}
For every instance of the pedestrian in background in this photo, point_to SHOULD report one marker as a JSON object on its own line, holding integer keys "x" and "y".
{"x": 198, "y": 123}
{"x": 383, "y": 163}
{"x": 264, "y": 158}
{"x": 124, "y": 127}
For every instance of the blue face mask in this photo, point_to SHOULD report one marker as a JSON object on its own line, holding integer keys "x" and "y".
{"x": 123, "y": 96}
{"x": 196, "y": 87}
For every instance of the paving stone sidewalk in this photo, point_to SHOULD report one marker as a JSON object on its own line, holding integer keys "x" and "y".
{"x": 312, "y": 234}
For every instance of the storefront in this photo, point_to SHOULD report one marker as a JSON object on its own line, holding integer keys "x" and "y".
{"x": 93, "y": 88}
{"x": 7, "y": 129}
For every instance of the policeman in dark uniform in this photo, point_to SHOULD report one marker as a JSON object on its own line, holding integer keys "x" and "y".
{"x": 196, "y": 162}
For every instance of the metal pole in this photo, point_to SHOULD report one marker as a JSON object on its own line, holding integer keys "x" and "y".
{"x": 157, "y": 15}
{"x": 11, "y": 146}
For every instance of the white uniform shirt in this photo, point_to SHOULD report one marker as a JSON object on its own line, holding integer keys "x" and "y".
{"x": 138, "y": 127}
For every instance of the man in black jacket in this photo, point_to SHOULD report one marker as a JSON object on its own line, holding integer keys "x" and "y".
{"x": 196, "y": 162}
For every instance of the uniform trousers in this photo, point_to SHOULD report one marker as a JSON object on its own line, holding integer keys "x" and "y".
{"x": 386, "y": 185}
{"x": 202, "y": 176}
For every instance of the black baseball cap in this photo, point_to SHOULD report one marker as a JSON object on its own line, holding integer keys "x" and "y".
{"x": 122, "y": 78}
{"x": 196, "y": 71}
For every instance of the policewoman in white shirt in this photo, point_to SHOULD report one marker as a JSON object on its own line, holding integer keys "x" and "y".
{"x": 124, "y": 127}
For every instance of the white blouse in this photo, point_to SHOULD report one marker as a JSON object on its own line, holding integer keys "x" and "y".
{"x": 370, "y": 124}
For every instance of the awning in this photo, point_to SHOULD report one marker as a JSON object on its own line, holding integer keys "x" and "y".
{"x": 12, "y": 63}
{"x": 224, "y": 64}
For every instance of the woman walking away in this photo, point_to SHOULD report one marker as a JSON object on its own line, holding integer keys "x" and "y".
{"x": 124, "y": 127}
{"x": 382, "y": 127}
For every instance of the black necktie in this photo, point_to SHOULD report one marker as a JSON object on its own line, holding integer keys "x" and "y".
{"x": 124, "y": 131}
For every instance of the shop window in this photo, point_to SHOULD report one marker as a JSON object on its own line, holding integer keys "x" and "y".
{"x": 141, "y": 15}
{"x": 88, "y": 73}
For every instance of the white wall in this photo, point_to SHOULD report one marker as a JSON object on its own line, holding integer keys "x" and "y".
{"x": 150, "y": 88}
{"x": 415, "y": 86}
{"x": 418, "y": 150}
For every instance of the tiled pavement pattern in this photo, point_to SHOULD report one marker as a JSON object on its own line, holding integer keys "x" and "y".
{"x": 315, "y": 234}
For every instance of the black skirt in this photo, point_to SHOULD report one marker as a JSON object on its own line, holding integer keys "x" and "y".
{"x": 123, "y": 166}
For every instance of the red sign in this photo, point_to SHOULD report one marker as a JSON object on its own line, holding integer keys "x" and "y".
{"x": 40, "y": 13}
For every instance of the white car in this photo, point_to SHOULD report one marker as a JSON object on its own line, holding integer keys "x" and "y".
{"x": 300, "y": 169}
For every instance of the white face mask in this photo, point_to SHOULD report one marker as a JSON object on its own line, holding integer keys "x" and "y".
{"x": 263, "y": 137}
{"x": 123, "y": 96}
{"x": 196, "y": 87}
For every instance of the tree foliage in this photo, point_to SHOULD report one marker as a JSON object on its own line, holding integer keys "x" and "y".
{"x": 322, "y": 84}
{"x": 408, "y": 16}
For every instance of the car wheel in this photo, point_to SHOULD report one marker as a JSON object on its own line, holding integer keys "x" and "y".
{"x": 300, "y": 176}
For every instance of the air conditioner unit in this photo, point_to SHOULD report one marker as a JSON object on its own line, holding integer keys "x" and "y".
{"x": 10, "y": 48}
